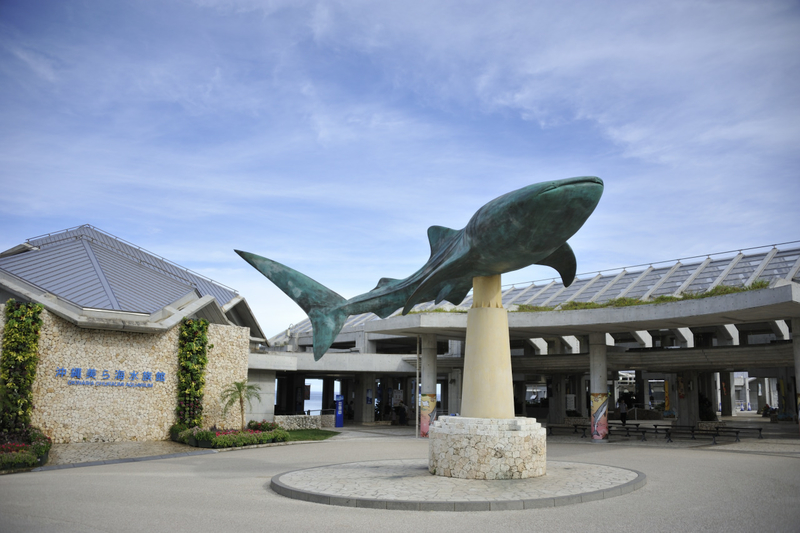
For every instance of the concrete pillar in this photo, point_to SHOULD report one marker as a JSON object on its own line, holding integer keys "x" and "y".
{"x": 555, "y": 398}
{"x": 364, "y": 406}
{"x": 519, "y": 398}
{"x": 364, "y": 344}
{"x": 327, "y": 393}
{"x": 727, "y": 394}
{"x": 454, "y": 381}
{"x": 488, "y": 391}
{"x": 641, "y": 390}
{"x": 263, "y": 409}
{"x": 796, "y": 350}
{"x": 688, "y": 406}
{"x": 427, "y": 411}
{"x": 598, "y": 388}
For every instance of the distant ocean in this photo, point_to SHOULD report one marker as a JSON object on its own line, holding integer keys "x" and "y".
{"x": 315, "y": 403}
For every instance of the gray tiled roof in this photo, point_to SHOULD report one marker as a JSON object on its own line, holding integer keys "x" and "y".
{"x": 93, "y": 269}
{"x": 670, "y": 278}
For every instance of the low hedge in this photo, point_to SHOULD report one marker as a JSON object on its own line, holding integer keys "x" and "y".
{"x": 26, "y": 448}
{"x": 232, "y": 438}
{"x": 224, "y": 439}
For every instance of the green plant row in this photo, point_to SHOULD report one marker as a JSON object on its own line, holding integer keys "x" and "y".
{"x": 232, "y": 439}
{"x": 27, "y": 448}
{"x": 719, "y": 290}
{"x": 18, "y": 364}
{"x": 244, "y": 438}
{"x": 192, "y": 360}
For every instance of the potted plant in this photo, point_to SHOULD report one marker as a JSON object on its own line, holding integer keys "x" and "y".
{"x": 204, "y": 438}
{"x": 176, "y": 430}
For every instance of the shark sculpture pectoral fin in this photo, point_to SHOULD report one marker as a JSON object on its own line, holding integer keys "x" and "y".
{"x": 322, "y": 305}
{"x": 563, "y": 260}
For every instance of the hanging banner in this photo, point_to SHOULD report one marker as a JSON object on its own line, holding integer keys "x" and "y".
{"x": 426, "y": 413}
{"x": 599, "y": 415}
{"x": 666, "y": 396}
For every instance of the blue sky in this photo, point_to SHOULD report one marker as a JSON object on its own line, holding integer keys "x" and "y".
{"x": 330, "y": 135}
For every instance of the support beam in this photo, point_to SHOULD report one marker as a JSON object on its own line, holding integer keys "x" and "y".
{"x": 540, "y": 345}
{"x": 644, "y": 338}
{"x": 685, "y": 337}
{"x": 608, "y": 286}
{"x": 761, "y": 267}
{"x": 660, "y": 282}
{"x": 685, "y": 285}
{"x": 780, "y": 329}
{"x": 724, "y": 274}
{"x": 727, "y": 335}
{"x": 572, "y": 343}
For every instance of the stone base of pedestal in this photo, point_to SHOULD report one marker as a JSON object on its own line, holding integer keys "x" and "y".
{"x": 487, "y": 448}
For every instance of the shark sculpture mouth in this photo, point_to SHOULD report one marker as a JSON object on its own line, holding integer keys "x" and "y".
{"x": 524, "y": 227}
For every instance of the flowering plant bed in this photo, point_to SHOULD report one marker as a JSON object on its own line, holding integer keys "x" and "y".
{"x": 24, "y": 449}
{"x": 230, "y": 438}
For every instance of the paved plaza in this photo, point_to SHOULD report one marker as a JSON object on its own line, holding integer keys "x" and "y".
{"x": 748, "y": 486}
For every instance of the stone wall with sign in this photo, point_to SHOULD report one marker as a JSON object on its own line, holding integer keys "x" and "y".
{"x": 107, "y": 386}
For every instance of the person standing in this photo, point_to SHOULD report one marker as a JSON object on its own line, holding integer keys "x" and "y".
{"x": 623, "y": 411}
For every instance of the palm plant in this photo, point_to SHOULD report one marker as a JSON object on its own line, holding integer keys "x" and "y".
{"x": 239, "y": 391}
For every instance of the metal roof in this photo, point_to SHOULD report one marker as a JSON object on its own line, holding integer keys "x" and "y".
{"x": 94, "y": 269}
{"x": 645, "y": 282}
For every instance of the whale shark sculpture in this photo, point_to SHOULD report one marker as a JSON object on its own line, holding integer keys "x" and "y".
{"x": 528, "y": 226}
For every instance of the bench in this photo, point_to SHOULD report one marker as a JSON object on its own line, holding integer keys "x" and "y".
{"x": 740, "y": 429}
{"x": 627, "y": 427}
{"x": 692, "y": 432}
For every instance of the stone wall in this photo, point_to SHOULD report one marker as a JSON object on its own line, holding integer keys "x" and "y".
{"x": 290, "y": 422}
{"x": 141, "y": 406}
{"x": 487, "y": 448}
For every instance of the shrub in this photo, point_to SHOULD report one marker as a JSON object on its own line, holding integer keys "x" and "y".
{"x": 23, "y": 448}
{"x": 192, "y": 359}
{"x": 204, "y": 434}
{"x": 262, "y": 426}
{"x": 18, "y": 364}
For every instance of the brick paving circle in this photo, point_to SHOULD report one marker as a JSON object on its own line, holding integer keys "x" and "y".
{"x": 407, "y": 485}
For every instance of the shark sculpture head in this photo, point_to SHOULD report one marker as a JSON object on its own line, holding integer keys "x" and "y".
{"x": 528, "y": 226}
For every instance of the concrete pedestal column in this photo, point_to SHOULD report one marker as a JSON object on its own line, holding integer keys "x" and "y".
{"x": 557, "y": 409}
{"x": 327, "y": 393}
{"x": 796, "y": 349}
{"x": 727, "y": 393}
{"x": 364, "y": 408}
{"x": 454, "y": 391}
{"x": 598, "y": 388}
{"x": 263, "y": 409}
{"x": 488, "y": 390}
{"x": 688, "y": 407}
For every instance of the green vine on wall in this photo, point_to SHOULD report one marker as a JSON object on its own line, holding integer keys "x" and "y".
{"x": 192, "y": 359}
{"x": 18, "y": 364}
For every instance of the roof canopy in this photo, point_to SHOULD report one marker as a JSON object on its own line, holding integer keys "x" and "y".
{"x": 95, "y": 279}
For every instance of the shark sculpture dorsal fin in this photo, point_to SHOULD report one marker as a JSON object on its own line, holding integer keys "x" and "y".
{"x": 384, "y": 281}
{"x": 437, "y": 235}
{"x": 563, "y": 260}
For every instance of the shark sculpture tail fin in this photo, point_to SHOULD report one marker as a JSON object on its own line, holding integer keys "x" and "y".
{"x": 322, "y": 305}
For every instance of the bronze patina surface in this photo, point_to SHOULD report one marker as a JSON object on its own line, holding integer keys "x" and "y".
{"x": 524, "y": 227}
